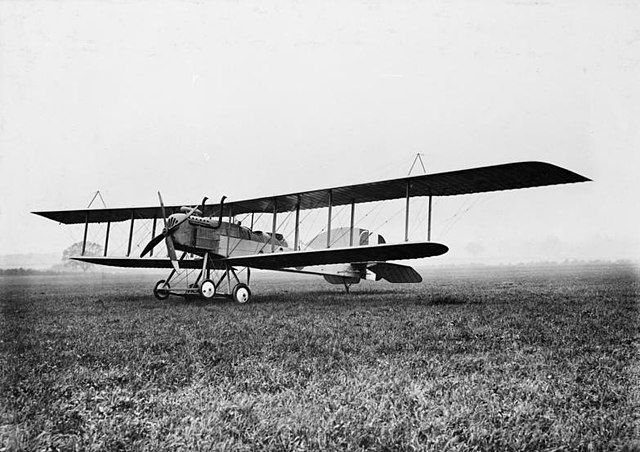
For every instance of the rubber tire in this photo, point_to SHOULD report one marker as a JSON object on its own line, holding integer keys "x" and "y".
{"x": 161, "y": 293}
{"x": 241, "y": 293}
{"x": 207, "y": 289}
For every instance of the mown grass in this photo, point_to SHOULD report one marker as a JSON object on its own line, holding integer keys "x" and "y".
{"x": 515, "y": 359}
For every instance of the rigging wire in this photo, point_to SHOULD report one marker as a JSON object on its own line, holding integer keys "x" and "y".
{"x": 421, "y": 206}
{"x": 460, "y": 213}
{"x": 448, "y": 221}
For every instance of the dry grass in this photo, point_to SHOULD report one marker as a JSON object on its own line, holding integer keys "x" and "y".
{"x": 516, "y": 359}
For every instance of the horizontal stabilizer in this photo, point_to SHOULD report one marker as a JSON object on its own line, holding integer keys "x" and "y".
{"x": 395, "y": 273}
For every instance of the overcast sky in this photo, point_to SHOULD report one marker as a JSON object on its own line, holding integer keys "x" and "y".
{"x": 253, "y": 98}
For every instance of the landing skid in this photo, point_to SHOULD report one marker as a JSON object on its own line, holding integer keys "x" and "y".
{"x": 208, "y": 284}
{"x": 346, "y": 285}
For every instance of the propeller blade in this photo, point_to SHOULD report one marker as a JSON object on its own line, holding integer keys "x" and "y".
{"x": 154, "y": 241}
{"x": 167, "y": 234}
{"x": 172, "y": 252}
{"x": 164, "y": 214}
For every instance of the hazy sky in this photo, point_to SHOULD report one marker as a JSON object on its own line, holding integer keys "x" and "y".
{"x": 252, "y": 98}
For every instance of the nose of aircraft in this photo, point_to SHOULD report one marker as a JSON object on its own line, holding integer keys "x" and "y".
{"x": 174, "y": 220}
{"x": 171, "y": 224}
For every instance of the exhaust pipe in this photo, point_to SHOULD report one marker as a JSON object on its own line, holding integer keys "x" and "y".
{"x": 221, "y": 209}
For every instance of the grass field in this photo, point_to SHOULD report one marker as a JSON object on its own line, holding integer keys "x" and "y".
{"x": 515, "y": 358}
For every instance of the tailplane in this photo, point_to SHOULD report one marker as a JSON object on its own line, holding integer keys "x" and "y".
{"x": 395, "y": 273}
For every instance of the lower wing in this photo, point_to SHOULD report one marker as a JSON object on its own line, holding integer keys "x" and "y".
{"x": 293, "y": 259}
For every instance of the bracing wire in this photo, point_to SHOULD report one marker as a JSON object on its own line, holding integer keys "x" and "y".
{"x": 421, "y": 218}
{"x": 462, "y": 211}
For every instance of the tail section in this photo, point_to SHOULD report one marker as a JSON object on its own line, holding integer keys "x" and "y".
{"x": 339, "y": 237}
{"x": 393, "y": 273}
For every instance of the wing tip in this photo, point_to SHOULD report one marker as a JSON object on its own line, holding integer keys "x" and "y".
{"x": 440, "y": 247}
{"x": 576, "y": 177}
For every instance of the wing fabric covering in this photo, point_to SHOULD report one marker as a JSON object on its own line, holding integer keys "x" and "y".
{"x": 396, "y": 251}
{"x": 395, "y": 273}
{"x": 475, "y": 180}
{"x": 274, "y": 261}
{"x": 139, "y": 262}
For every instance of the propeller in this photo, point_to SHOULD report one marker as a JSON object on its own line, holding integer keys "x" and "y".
{"x": 167, "y": 234}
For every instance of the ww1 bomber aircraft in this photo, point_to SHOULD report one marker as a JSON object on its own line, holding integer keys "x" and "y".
{"x": 216, "y": 247}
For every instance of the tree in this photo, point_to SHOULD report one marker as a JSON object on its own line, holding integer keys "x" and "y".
{"x": 91, "y": 249}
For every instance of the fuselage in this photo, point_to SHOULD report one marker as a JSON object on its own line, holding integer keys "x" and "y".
{"x": 201, "y": 235}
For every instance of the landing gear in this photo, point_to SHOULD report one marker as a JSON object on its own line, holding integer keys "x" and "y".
{"x": 241, "y": 293}
{"x": 208, "y": 284}
{"x": 207, "y": 289}
{"x": 347, "y": 285}
{"x": 161, "y": 290}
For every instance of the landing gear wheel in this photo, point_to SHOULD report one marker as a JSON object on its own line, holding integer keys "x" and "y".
{"x": 207, "y": 289}
{"x": 161, "y": 290}
{"x": 241, "y": 293}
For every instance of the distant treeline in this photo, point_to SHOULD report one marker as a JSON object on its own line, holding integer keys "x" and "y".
{"x": 549, "y": 265}
{"x": 28, "y": 272}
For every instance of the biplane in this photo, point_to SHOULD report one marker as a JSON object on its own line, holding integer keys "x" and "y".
{"x": 213, "y": 244}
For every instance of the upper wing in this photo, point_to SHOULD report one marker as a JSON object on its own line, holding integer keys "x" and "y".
{"x": 273, "y": 261}
{"x": 476, "y": 180}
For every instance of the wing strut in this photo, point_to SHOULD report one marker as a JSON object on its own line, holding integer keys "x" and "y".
{"x": 130, "y": 233}
{"x": 106, "y": 238}
{"x": 86, "y": 229}
{"x": 329, "y": 219}
{"x": 296, "y": 239}
{"x": 273, "y": 225}
{"x": 406, "y": 213}
{"x": 429, "y": 220}
{"x": 351, "y": 222}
